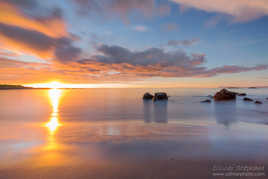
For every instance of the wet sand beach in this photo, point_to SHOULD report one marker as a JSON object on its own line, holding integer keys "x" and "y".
{"x": 99, "y": 136}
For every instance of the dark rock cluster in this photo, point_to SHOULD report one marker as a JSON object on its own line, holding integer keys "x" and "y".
{"x": 206, "y": 101}
{"x": 251, "y": 100}
{"x": 156, "y": 96}
{"x": 160, "y": 96}
{"x": 148, "y": 96}
{"x": 248, "y": 99}
{"x": 225, "y": 95}
{"x": 222, "y": 95}
{"x": 242, "y": 94}
{"x": 258, "y": 102}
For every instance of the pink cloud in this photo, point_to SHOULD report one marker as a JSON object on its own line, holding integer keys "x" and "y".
{"x": 140, "y": 28}
{"x": 240, "y": 10}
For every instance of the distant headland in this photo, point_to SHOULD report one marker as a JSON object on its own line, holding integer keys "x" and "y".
{"x": 9, "y": 87}
{"x": 12, "y": 87}
{"x": 251, "y": 87}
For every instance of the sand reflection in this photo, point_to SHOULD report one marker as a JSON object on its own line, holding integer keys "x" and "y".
{"x": 155, "y": 111}
{"x": 225, "y": 113}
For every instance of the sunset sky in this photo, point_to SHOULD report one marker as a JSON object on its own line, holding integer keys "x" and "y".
{"x": 133, "y": 43}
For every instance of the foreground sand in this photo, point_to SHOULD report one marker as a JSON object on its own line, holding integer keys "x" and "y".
{"x": 155, "y": 169}
{"x": 105, "y": 150}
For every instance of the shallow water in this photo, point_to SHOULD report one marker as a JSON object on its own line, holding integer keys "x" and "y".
{"x": 113, "y": 133}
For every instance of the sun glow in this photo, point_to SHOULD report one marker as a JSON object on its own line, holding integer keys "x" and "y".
{"x": 51, "y": 85}
{"x": 55, "y": 85}
{"x": 59, "y": 85}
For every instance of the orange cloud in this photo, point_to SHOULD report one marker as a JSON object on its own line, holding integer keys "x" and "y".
{"x": 51, "y": 25}
{"x": 7, "y": 53}
{"x": 38, "y": 44}
{"x": 108, "y": 67}
{"x": 30, "y": 42}
{"x": 96, "y": 72}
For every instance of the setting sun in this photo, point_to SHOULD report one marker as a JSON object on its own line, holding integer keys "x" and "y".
{"x": 55, "y": 85}
{"x": 52, "y": 85}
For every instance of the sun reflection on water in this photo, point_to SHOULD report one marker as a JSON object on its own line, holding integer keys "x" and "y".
{"x": 52, "y": 151}
{"x": 53, "y": 124}
{"x": 54, "y": 96}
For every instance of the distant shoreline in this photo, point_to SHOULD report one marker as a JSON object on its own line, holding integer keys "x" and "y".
{"x": 257, "y": 87}
{"x": 16, "y": 87}
{"x": 21, "y": 87}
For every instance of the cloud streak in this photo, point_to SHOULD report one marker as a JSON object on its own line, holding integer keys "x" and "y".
{"x": 154, "y": 62}
{"x": 37, "y": 43}
{"x": 117, "y": 64}
{"x": 123, "y": 8}
{"x": 140, "y": 28}
{"x": 169, "y": 27}
{"x": 240, "y": 10}
{"x": 187, "y": 43}
{"x": 152, "y": 56}
{"x": 12, "y": 13}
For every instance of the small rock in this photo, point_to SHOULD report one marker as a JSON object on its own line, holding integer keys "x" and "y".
{"x": 258, "y": 102}
{"x": 247, "y": 99}
{"x": 210, "y": 96}
{"x": 160, "y": 96}
{"x": 148, "y": 96}
{"x": 242, "y": 94}
{"x": 225, "y": 95}
{"x": 206, "y": 101}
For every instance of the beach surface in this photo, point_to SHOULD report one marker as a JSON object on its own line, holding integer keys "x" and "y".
{"x": 113, "y": 133}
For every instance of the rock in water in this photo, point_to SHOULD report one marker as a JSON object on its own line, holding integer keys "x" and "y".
{"x": 258, "y": 102}
{"x": 160, "y": 96}
{"x": 210, "y": 96}
{"x": 247, "y": 99}
{"x": 242, "y": 94}
{"x": 148, "y": 96}
{"x": 225, "y": 95}
{"x": 206, "y": 101}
